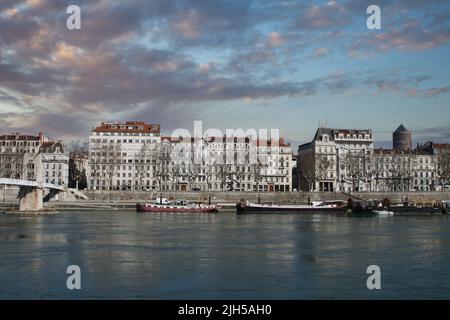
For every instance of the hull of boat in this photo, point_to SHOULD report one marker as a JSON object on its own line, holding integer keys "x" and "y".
{"x": 414, "y": 210}
{"x": 147, "y": 207}
{"x": 279, "y": 209}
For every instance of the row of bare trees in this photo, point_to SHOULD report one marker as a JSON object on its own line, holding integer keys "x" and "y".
{"x": 394, "y": 173}
{"x": 166, "y": 164}
{"x": 443, "y": 167}
{"x": 11, "y": 165}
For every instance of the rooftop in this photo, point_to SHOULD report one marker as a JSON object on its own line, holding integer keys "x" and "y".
{"x": 128, "y": 126}
{"x": 259, "y": 142}
{"x": 401, "y": 128}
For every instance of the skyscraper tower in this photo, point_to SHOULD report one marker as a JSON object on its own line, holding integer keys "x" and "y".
{"x": 402, "y": 139}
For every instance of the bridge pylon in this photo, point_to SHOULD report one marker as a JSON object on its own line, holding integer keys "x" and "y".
{"x": 30, "y": 198}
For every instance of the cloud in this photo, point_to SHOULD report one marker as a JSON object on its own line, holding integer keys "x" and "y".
{"x": 436, "y": 91}
{"x": 275, "y": 39}
{"x": 324, "y": 16}
{"x": 7, "y": 98}
{"x": 436, "y": 133}
{"x": 161, "y": 58}
{"x": 413, "y": 35}
{"x": 320, "y": 52}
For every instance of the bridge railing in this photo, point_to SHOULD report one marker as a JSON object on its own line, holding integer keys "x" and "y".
{"x": 29, "y": 183}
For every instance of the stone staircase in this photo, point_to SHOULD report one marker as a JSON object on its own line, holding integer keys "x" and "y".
{"x": 78, "y": 194}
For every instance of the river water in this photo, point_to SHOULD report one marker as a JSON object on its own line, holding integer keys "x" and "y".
{"x": 223, "y": 256}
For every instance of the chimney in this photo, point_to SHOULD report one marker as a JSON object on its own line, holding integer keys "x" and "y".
{"x": 41, "y": 138}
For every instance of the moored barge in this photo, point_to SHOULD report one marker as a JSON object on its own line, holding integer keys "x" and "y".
{"x": 186, "y": 207}
{"x": 315, "y": 207}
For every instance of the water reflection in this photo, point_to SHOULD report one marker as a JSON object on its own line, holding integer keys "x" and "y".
{"x": 212, "y": 256}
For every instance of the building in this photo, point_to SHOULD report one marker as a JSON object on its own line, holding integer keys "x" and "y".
{"x": 134, "y": 156}
{"x": 122, "y": 156}
{"x": 398, "y": 170}
{"x": 403, "y": 169}
{"x": 441, "y": 152}
{"x": 225, "y": 164}
{"x": 335, "y": 160}
{"x": 14, "y": 148}
{"x": 402, "y": 139}
{"x": 78, "y": 166}
{"x": 345, "y": 160}
{"x": 55, "y": 161}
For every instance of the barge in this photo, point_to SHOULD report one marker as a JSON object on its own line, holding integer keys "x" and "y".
{"x": 315, "y": 207}
{"x": 180, "y": 206}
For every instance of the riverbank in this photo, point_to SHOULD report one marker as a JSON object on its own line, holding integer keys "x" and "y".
{"x": 114, "y": 200}
{"x": 274, "y": 197}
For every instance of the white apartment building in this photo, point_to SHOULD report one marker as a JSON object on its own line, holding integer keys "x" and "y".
{"x": 336, "y": 160}
{"x": 122, "y": 156}
{"x": 225, "y": 164}
{"x": 133, "y": 156}
{"x": 13, "y": 148}
{"x": 345, "y": 160}
{"x": 55, "y": 162}
{"x": 396, "y": 170}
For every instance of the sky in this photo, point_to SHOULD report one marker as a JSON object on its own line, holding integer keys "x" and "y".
{"x": 287, "y": 65}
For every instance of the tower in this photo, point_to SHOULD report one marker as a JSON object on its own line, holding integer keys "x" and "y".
{"x": 402, "y": 139}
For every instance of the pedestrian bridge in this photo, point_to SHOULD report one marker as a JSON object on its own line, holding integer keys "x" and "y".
{"x": 30, "y": 183}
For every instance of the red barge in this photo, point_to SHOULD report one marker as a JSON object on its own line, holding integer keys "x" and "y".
{"x": 182, "y": 207}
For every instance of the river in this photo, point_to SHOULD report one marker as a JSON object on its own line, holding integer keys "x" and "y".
{"x": 128, "y": 255}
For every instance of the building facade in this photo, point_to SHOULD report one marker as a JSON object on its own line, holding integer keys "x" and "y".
{"x": 55, "y": 161}
{"x": 225, "y": 164}
{"x": 16, "y": 150}
{"x": 78, "y": 166}
{"x": 335, "y": 160}
{"x": 345, "y": 160}
{"x": 402, "y": 139}
{"x": 134, "y": 156}
{"x": 397, "y": 170}
{"x": 12, "y": 150}
{"x": 122, "y": 156}
{"x": 441, "y": 153}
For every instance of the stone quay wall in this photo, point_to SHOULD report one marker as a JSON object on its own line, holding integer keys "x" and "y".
{"x": 275, "y": 197}
{"x": 232, "y": 197}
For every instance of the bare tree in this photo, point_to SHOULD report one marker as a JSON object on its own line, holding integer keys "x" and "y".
{"x": 77, "y": 170}
{"x": 142, "y": 163}
{"x": 221, "y": 174}
{"x": 111, "y": 159}
{"x": 443, "y": 167}
{"x": 94, "y": 162}
{"x": 321, "y": 168}
{"x": 400, "y": 173}
{"x": 355, "y": 166}
{"x": 11, "y": 165}
{"x": 78, "y": 146}
{"x": 239, "y": 175}
{"x": 309, "y": 175}
{"x": 192, "y": 174}
{"x": 375, "y": 172}
{"x": 307, "y": 171}
{"x": 209, "y": 175}
{"x": 174, "y": 174}
{"x": 160, "y": 155}
{"x": 257, "y": 173}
